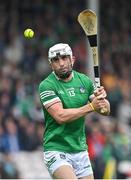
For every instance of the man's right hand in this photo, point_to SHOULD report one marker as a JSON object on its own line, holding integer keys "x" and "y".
{"x": 98, "y": 103}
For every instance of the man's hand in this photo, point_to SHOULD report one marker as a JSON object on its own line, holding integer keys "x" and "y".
{"x": 100, "y": 93}
{"x": 100, "y": 104}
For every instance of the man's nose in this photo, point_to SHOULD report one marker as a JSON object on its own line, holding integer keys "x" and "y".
{"x": 61, "y": 62}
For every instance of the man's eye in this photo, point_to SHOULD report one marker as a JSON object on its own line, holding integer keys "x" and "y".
{"x": 54, "y": 59}
{"x": 63, "y": 57}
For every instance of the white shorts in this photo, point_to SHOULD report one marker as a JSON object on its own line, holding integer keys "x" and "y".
{"x": 80, "y": 162}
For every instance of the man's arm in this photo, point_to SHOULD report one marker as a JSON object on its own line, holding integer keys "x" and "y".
{"x": 62, "y": 115}
{"x": 67, "y": 115}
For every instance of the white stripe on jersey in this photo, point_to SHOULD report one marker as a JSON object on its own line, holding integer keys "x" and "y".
{"x": 49, "y": 101}
{"x": 44, "y": 96}
{"x": 46, "y": 92}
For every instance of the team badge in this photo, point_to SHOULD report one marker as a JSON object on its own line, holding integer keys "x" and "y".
{"x": 82, "y": 89}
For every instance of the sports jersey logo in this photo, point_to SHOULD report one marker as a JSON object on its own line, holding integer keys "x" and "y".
{"x": 62, "y": 156}
{"x": 82, "y": 89}
{"x": 60, "y": 92}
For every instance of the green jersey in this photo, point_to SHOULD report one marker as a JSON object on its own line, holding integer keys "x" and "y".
{"x": 67, "y": 137}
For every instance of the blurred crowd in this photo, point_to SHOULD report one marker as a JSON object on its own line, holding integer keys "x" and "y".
{"x": 23, "y": 64}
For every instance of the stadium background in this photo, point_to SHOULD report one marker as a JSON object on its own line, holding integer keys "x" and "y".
{"x": 23, "y": 64}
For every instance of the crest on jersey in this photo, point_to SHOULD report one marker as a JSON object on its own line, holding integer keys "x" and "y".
{"x": 82, "y": 89}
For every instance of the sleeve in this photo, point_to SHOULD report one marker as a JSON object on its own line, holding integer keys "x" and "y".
{"x": 47, "y": 94}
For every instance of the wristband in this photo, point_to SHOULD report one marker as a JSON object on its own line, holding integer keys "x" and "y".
{"x": 92, "y": 106}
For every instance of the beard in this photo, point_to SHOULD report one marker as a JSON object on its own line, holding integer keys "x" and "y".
{"x": 64, "y": 75}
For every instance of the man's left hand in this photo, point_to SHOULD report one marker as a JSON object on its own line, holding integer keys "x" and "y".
{"x": 100, "y": 93}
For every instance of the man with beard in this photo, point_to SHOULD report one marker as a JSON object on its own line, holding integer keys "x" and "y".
{"x": 66, "y": 97}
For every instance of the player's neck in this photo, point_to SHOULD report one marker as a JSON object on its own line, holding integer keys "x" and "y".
{"x": 67, "y": 79}
{"x": 64, "y": 79}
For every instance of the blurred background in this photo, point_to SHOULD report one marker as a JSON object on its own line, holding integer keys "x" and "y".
{"x": 23, "y": 64}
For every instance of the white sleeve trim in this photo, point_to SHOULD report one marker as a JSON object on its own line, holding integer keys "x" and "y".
{"x": 49, "y": 101}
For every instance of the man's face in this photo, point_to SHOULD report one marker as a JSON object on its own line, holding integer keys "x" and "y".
{"x": 62, "y": 65}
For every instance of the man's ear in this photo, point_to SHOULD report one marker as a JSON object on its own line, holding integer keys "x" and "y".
{"x": 73, "y": 59}
{"x": 51, "y": 65}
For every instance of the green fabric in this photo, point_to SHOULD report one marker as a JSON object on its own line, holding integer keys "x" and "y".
{"x": 67, "y": 137}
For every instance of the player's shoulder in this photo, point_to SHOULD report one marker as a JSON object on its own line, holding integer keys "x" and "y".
{"x": 82, "y": 75}
{"x": 47, "y": 81}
